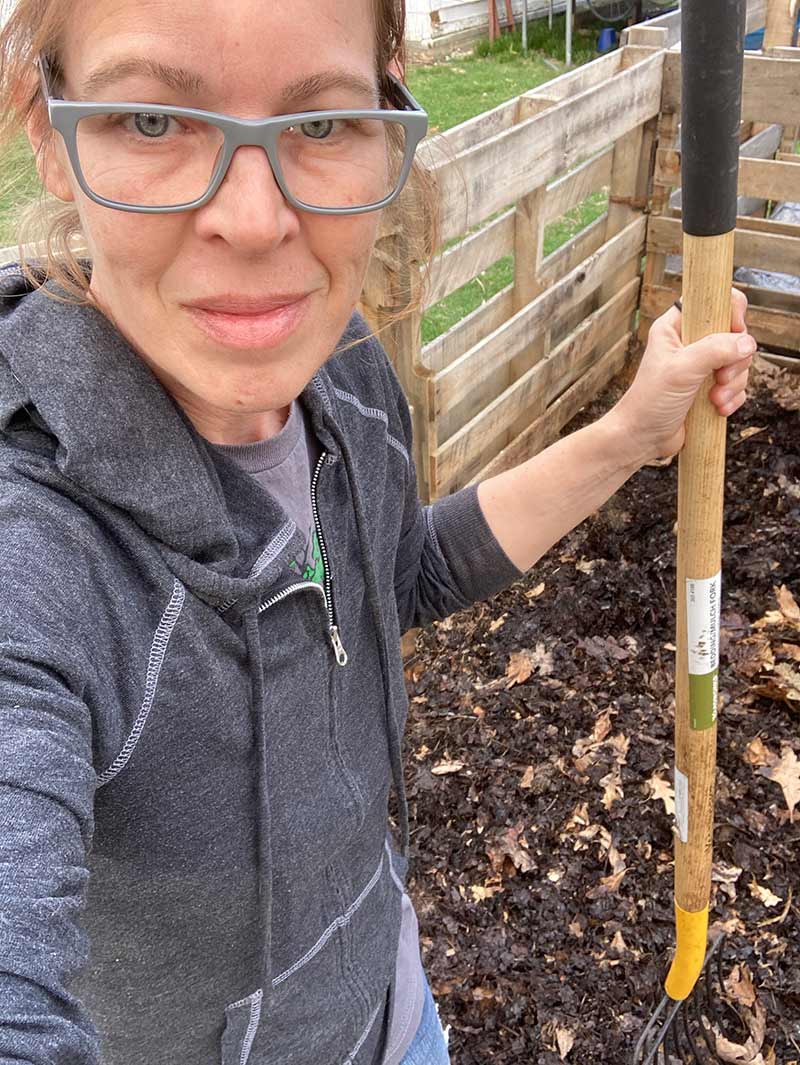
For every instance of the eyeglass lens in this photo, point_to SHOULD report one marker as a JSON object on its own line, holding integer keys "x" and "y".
{"x": 156, "y": 160}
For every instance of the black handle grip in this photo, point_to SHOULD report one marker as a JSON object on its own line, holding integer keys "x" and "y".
{"x": 712, "y": 47}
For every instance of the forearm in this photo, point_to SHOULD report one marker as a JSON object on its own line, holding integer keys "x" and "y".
{"x": 530, "y": 507}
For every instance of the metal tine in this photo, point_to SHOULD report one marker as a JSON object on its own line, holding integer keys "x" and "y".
{"x": 653, "y": 1041}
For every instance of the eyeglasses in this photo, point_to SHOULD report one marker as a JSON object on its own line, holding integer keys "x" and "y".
{"x": 156, "y": 159}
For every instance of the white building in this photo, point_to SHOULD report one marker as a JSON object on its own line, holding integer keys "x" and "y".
{"x": 439, "y": 26}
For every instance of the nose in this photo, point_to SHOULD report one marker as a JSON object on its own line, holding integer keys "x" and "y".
{"x": 249, "y": 210}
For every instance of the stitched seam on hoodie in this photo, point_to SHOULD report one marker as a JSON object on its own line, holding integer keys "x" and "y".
{"x": 252, "y": 1027}
{"x": 269, "y": 554}
{"x": 432, "y": 529}
{"x": 158, "y": 650}
{"x": 373, "y": 412}
{"x": 254, "y": 1002}
{"x": 351, "y": 1056}
{"x": 273, "y": 548}
{"x": 340, "y": 922}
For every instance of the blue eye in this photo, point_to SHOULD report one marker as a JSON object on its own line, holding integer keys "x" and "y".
{"x": 151, "y": 124}
{"x": 320, "y": 125}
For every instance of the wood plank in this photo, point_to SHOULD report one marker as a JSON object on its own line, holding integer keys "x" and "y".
{"x": 470, "y": 330}
{"x": 761, "y": 251}
{"x": 476, "y": 253}
{"x": 472, "y": 130}
{"x": 585, "y": 243}
{"x": 763, "y": 145}
{"x": 547, "y": 428}
{"x": 540, "y": 148}
{"x": 770, "y": 326}
{"x": 644, "y": 36}
{"x": 491, "y": 356}
{"x": 670, "y": 22}
{"x": 763, "y": 179}
{"x": 771, "y": 91}
{"x": 782, "y": 52}
{"x": 474, "y": 445}
{"x": 573, "y": 188}
{"x": 577, "y": 81}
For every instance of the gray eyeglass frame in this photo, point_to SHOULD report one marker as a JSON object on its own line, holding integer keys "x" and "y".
{"x": 64, "y": 116}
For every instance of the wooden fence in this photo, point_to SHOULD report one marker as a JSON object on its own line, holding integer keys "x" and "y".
{"x": 503, "y": 382}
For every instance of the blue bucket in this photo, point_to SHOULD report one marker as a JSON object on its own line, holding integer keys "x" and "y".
{"x": 607, "y": 39}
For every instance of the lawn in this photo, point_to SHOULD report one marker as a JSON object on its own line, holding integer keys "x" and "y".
{"x": 18, "y": 159}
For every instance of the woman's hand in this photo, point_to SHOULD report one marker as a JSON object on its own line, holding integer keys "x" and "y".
{"x": 653, "y": 411}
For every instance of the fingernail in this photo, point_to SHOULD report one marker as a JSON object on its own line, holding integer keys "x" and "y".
{"x": 746, "y": 345}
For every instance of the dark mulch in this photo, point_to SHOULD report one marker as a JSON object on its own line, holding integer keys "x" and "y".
{"x": 540, "y": 739}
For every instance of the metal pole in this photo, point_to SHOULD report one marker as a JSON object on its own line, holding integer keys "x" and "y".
{"x": 569, "y": 33}
{"x": 524, "y": 27}
{"x": 550, "y": 15}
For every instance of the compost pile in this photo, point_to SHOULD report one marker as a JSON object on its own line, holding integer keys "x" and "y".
{"x": 539, "y": 755}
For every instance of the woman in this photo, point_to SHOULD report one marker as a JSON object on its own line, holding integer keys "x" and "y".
{"x": 211, "y": 541}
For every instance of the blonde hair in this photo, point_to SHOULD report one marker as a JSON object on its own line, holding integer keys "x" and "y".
{"x": 38, "y": 26}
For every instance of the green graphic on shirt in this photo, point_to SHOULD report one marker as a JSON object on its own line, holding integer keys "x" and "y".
{"x": 309, "y": 564}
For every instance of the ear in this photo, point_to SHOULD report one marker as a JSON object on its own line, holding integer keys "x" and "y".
{"x": 395, "y": 68}
{"x": 50, "y": 154}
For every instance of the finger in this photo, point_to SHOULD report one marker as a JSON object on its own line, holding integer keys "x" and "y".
{"x": 718, "y": 350}
{"x": 669, "y": 321}
{"x": 728, "y": 374}
{"x": 729, "y": 406}
{"x": 738, "y": 311}
{"x": 724, "y": 393}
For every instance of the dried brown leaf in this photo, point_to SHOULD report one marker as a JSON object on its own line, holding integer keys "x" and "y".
{"x": 786, "y": 773}
{"x": 663, "y": 790}
{"x": 443, "y": 768}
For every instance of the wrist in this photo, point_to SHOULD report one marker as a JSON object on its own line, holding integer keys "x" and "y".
{"x": 624, "y": 443}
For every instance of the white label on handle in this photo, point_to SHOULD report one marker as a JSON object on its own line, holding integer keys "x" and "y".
{"x": 682, "y": 805}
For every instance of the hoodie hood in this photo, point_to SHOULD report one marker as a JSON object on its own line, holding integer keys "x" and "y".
{"x": 115, "y": 432}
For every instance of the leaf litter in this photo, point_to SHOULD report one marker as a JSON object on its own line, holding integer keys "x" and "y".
{"x": 539, "y": 769}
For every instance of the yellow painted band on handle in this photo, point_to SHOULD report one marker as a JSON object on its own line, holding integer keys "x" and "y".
{"x": 691, "y": 933}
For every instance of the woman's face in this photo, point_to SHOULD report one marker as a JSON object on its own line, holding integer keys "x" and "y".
{"x": 247, "y": 241}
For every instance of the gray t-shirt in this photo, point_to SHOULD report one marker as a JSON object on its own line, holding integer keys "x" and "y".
{"x": 282, "y": 465}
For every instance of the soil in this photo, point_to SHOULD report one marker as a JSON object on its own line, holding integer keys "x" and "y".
{"x": 539, "y": 756}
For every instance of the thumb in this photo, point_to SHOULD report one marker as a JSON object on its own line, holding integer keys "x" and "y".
{"x": 718, "y": 350}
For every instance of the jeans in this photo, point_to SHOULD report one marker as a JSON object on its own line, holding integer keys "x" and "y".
{"x": 430, "y": 1043}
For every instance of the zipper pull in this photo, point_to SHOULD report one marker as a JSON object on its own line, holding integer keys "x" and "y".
{"x": 341, "y": 654}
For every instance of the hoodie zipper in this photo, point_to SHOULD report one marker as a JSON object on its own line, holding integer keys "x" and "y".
{"x": 333, "y": 628}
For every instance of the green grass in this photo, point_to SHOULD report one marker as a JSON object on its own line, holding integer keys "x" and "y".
{"x": 17, "y": 160}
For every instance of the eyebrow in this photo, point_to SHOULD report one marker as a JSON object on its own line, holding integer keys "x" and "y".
{"x": 187, "y": 82}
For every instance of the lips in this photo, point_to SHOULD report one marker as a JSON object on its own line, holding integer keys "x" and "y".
{"x": 239, "y": 322}
{"x": 235, "y": 303}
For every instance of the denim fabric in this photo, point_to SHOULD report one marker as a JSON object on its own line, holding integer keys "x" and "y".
{"x": 430, "y": 1042}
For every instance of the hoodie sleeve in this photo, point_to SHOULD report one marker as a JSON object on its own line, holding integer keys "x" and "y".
{"x": 47, "y": 787}
{"x": 447, "y": 557}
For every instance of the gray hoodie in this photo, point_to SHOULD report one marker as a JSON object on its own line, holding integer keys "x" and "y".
{"x": 195, "y": 858}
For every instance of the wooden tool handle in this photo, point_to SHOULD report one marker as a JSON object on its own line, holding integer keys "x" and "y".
{"x": 712, "y": 64}
{"x": 708, "y": 267}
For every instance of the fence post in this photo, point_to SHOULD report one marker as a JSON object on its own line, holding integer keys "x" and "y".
{"x": 655, "y": 262}
{"x": 392, "y": 282}
{"x": 529, "y": 227}
{"x": 781, "y": 33}
{"x": 631, "y": 168}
